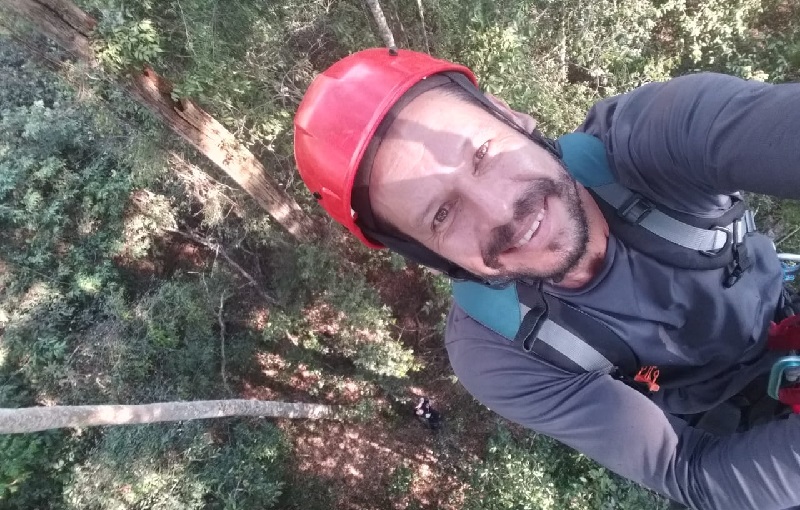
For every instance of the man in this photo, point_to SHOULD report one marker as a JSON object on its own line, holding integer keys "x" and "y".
{"x": 401, "y": 149}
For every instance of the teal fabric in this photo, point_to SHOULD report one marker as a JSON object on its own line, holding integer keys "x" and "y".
{"x": 498, "y": 309}
{"x": 585, "y": 158}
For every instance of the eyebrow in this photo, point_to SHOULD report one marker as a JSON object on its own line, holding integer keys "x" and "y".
{"x": 421, "y": 219}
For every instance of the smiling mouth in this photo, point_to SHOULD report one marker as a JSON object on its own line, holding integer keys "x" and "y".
{"x": 509, "y": 238}
{"x": 525, "y": 239}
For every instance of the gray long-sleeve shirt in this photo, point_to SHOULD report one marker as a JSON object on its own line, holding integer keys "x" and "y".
{"x": 686, "y": 143}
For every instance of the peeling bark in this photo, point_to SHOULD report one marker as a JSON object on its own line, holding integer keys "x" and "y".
{"x": 61, "y": 21}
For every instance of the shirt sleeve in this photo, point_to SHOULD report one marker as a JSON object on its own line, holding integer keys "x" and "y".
{"x": 624, "y": 431}
{"x": 692, "y": 140}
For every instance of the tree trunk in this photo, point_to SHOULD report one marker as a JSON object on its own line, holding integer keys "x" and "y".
{"x": 64, "y": 22}
{"x": 70, "y": 28}
{"x": 33, "y": 419}
{"x": 380, "y": 21}
{"x": 219, "y": 145}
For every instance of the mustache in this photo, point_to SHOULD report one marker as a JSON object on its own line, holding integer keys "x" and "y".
{"x": 529, "y": 201}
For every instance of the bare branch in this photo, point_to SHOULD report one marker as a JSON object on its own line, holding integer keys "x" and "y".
{"x": 424, "y": 30}
{"x": 787, "y": 237}
{"x": 222, "y": 298}
{"x": 33, "y": 419}
{"x": 217, "y": 248}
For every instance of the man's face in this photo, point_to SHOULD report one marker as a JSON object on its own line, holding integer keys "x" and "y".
{"x": 478, "y": 192}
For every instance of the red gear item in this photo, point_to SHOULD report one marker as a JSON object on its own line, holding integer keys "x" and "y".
{"x": 791, "y": 397}
{"x": 340, "y": 113}
{"x": 785, "y": 336}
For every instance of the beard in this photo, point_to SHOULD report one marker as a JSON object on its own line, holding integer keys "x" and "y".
{"x": 570, "y": 243}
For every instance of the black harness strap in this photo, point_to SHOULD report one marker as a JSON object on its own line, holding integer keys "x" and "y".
{"x": 544, "y": 307}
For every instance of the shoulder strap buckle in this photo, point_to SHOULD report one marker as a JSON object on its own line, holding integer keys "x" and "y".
{"x": 713, "y": 252}
{"x": 635, "y": 209}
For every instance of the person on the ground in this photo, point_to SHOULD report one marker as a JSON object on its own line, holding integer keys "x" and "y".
{"x": 400, "y": 148}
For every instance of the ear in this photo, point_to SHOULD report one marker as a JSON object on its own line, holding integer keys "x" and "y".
{"x": 523, "y": 120}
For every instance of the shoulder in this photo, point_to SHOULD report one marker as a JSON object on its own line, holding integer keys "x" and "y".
{"x": 660, "y": 138}
{"x": 522, "y": 387}
{"x": 493, "y": 368}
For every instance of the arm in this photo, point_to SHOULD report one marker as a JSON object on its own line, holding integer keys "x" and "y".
{"x": 624, "y": 431}
{"x": 716, "y": 133}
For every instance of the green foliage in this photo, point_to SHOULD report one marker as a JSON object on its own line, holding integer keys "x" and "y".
{"x": 65, "y": 178}
{"x": 386, "y": 357}
{"x": 779, "y": 219}
{"x": 97, "y": 306}
{"x": 710, "y": 33}
{"x": 127, "y": 44}
{"x": 555, "y": 59}
{"x": 37, "y": 341}
{"x": 32, "y": 469}
{"x": 145, "y": 223}
{"x": 234, "y": 466}
{"x": 365, "y": 330}
{"x": 249, "y": 471}
{"x": 400, "y": 481}
{"x": 536, "y": 472}
{"x": 164, "y": 346}
{"x": 56, "y": 190}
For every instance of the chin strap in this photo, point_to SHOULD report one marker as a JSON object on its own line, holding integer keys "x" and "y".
{"x": 414, "y": 250}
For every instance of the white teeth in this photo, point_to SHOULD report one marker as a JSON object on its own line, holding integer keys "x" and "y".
{"x": 529, "y": 234}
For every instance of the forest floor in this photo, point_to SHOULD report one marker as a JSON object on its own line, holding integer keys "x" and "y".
{"x": 369, "y": 463}
{"x": 386, "y": 457}
{"x": 391, "y": 459}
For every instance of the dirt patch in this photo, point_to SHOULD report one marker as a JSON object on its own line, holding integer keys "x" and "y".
{"x": 362, "y": 462}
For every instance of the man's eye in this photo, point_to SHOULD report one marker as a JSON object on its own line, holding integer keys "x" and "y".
{"x": 482, "y": 150}
{"x": 440, "y": 216}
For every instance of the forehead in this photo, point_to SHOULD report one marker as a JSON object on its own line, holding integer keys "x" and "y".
{"x": 434, "y": 128}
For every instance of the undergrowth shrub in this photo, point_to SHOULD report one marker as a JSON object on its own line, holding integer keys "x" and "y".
{"x": 38, "y": 340}
{"x": 174, "y": 339}
{"x": 364, "y": 326}
{"x": 126, "y": 44}
{"x": 56, "y": 189}
{"x": 33, "y": 469}
{"x": 228, "y": 465}
{"x": 536, "y": 472}
{"x": 67, "y": 168}
{"x": 709, "y": 34}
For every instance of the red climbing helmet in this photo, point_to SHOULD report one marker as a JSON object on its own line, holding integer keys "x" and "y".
{"x": 340, "y": 113}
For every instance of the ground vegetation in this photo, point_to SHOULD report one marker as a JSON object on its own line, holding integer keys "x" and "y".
{"x": 132, "y": 271}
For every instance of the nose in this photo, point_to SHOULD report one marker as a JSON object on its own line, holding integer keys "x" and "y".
{"x": 489, "y": 200}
